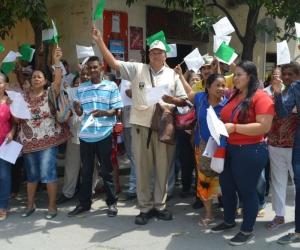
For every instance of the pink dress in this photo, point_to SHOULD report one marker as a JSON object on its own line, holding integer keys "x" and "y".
{"x": 5, "y": 121}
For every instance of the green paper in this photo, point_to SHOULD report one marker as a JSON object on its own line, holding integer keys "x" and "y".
{"x": 225, "y": 52}
{"x": 55, "y": 32}
{"x": 99, "y": 10}
{"x": 158, "y": 36}
{"x": 1, "y": 47}
{"x": 26, "y": 52}
{"x": 7, "y": 67}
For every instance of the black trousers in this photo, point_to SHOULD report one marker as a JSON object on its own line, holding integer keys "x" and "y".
{"x": 16, "y": 175}
{"x": 102, "y": 149}
{"x": 186, "y": 158}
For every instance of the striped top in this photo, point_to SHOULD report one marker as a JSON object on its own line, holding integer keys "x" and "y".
{"x": 102, "y": 96}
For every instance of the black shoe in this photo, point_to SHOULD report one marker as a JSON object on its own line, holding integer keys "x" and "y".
{"x": 78, "y": 210}
{"x": 222, "y": 227}
{"x": 169, "y": 197}
{"x": 183, "y": 194}
{"x": 142, "y": 218}
{"x": 241, "y": 239}
{"x": 220, "y": 200}
{"x": 198, "y": 204}
{"x": 62, "y": 199}
{"x": 163, "y": 214}
{"x": 112, "y": 210}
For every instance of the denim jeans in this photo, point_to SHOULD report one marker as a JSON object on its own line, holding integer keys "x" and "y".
{"x": 296, "y": 168}
{"x": 129, "y": 152}
{"x": 103, "y": 150}
{"x": 242, "y": 169}
{"x": 5, "y": 183}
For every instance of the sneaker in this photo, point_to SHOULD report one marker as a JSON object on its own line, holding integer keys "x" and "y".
{"x": 288, "y": 239}
{"x": 78, "y": 210}
{"x": 3, "y": 214}
{"x": 142, "y": 218}
{"x": 131, "y": 192}
{"x": 222, "y": 227}
{"x": 112, "y": 210}
{"x": 241, "y": 239}
{"x": 163, "y": 214}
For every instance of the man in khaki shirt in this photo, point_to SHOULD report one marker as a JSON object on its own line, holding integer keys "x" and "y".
{"x": 158, "y": 154}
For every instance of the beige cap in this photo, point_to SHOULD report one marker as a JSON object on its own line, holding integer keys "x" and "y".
{"x": 157, "y": 45}
{"x": 207, "y": 60}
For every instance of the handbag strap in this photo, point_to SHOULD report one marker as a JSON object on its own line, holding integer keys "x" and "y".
{"x": 235, "y": 111}
{"x": 198, "y": 120}
{"x": 151, "y": 77}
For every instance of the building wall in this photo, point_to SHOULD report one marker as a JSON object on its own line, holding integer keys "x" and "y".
{"x": 22, "y": 33}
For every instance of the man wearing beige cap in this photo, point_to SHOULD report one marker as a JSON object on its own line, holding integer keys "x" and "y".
{"x": 207, "y": 69}
{"x": 151, "y": 153}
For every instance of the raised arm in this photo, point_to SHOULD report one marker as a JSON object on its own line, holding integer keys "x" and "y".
{"x": 107, "y": 56}
{"x": 49, "y": 58}
{"x": 58, "y": 71}
{"x": 190, "y": 93}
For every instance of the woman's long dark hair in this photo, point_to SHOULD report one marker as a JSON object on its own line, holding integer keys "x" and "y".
{"x": 251, "y": 70}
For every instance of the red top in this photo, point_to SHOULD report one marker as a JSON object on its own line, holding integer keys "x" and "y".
{"x": 262, "y": 104}
{"x": 5, "y": 121}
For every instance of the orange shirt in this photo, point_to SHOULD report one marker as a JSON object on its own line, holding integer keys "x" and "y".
{"x": 261, "y": 104}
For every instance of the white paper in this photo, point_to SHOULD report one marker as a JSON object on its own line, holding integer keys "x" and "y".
{"x": 297, "y": 27}
{"x": 210, "y": 148}
{"x": 83, "y": 51}
{"x": 223, "y": 27}
{"x": 64, "y": 72}
{"x": 84, "y": 62}
{"x": 11, "y": 56}
{"x": 234, "y": 56}
{"x": 153, "y": 95}
{"x": 283, "y": 53}
{"x": 10, "y": 152}
{"x": 32, "y": 53}
{"x": 219, "y": 40}
{"x": 124, "y": 85}
{"x": 19, "y": 107}
{"x": 55, "y": 33}
{"x": 215, "y": 126}
{"x": 194, "y": 60}
{"x": 173, "y": 51}
{"x": 47, "y": 34}
{"x": 88, "y": 122}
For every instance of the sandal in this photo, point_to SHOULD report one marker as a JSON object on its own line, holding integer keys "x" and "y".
{"x": 239, "y": 211}
{"x": 205, "y": 222}
{"x": 276, "y": 222}
{"x": 3, "y": 214}
{"x": 261, "y": 213}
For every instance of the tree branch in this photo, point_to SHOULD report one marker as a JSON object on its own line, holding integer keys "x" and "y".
{"x": 238, "y": 33}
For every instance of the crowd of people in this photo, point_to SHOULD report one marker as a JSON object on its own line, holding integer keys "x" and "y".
{"x": 262, "y": 124}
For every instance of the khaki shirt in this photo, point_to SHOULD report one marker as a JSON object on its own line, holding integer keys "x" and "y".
{"x": 139, "y": 76}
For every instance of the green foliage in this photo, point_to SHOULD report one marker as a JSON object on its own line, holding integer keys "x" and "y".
{"x": 17, "y": 10}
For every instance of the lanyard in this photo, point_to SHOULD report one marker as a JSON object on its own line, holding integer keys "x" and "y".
{"x": 235, "y": 110}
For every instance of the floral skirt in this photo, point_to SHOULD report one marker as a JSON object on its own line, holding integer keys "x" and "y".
{"x": 207, "y": 187}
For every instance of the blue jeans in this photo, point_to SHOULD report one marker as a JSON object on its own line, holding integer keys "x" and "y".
{"x": 296, "y": 168}
{"x": 242, "y": 169}
{"x": 128, "y": 147}
{"x": 5, "y": 183}
{"x": 41, "y": 165}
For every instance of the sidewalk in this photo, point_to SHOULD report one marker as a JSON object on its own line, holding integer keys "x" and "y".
{"x": 97, "y": 231}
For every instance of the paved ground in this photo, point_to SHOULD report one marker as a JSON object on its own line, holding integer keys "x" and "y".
{"x": 97, "y": 231}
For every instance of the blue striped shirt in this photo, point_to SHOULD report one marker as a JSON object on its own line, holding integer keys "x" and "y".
{"x": 102, "y": 96}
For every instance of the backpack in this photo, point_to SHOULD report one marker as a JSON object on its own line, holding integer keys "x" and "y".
{"x": 61, "y": 104}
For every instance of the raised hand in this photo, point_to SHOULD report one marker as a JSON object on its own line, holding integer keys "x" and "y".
{"x": 96, "y": 34}
{"x": 178, "y": 70}
{"x": 57, "y": 56}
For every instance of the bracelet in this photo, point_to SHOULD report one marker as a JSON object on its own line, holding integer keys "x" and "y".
{"x": 234, "y": 128}
{"x": 57, "y": 66}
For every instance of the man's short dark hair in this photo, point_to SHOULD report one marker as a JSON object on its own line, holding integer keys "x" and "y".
{"x": 94, "y": 59}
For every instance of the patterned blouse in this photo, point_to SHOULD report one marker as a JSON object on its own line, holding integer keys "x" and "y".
{"x": 42, "y": 131}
